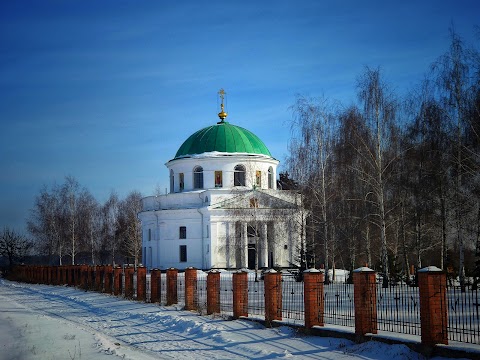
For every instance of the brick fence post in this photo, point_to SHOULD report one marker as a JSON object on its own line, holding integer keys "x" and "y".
{"x": 172, "y": 293}
{"x": 213, "y": 292}
{"x": 91, "y": 277}
{"x": 141, "y": 283}
{"x": 155, "y": 279}
{"x": 240, "y": 294}
{"x": 432, "y": 286}
{"x": 98, "y": 278}
{"x": 128, "y": 273}
{"x": 365, "y": 300}
{"x": 108, "y": 278}
{"x": 313, "y": 298}
{"x": 117, "y": 280}
{"x": 273, "y": 296}
{"x": 70, "y": 275}
{"x": 190, "y": 288}
{"x": 83, "y": 276}
{"x": 57, "y": 275}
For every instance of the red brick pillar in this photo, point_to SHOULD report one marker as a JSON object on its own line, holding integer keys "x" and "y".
{"x": 432, "y": 286}
{"x": 141, "y": 283}
{"x": 117, "y": 280}
{"x": 70, "y": 275}
{"x": 64, "y": 274}
{"x": 213, "y": 292}
{"x": 240, "y": 294}
{"x": 91, "y": 278}
{"x": 190, "y": 288}
{"x": 129, "y": 271}
{"x": 273, "y": 296}
{"x": 108, "y": 278}
{"x": 365, "y": 300}
{"x": 83, "y": 276}
{"x": 172, "y": 294}
{"x": 98, "y": 277}
{"x": 313, "y": 298}
{"x": 58, "y": 275}
{"x": 155, "y": 278}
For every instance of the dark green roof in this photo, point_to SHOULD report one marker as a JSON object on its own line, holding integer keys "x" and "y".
{"x": 222, "y": 137}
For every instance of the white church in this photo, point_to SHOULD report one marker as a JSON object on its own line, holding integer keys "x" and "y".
{"x": 223, "y": 210}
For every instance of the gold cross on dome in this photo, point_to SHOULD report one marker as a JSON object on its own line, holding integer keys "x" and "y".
{"x": 222, "y": 114}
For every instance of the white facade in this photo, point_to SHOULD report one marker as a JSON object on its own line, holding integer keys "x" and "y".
{"x": 223, "y": 211}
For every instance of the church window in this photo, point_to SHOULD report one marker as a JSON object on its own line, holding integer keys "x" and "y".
{"x": 285, "y": 247}
{"x": 181, "y": 181}
{"x": 254, "y": 203}
{"x": 198, "y": 177}
{"x": 270, "y": 178}
{"x": 218, "y": 179}
{"x": 258, "y": 179}
{"x": 183, "y": 253}
{"x": 172, "y": 183}
{"x": 251, "y": 231}
{"x": 182, "y": 232}
{"x": 149, "y": 234}
{"x": 239, "y": 176}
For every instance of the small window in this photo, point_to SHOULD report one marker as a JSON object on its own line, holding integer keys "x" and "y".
{"x": 270, "y": 177}
{"x": 183, "y": 232}
{"x": 198, "y": 177}
{"x": 183, "y": 253}
{"x": 258, "y": 179}
{"x": 149, "y": 234}
{"x": 218, "y": 179}
{"x": 285, "y": 247}
{"x": 239, "y": 175}
{"x": 172, "y": 182}
{"x": 251, "y": 231}
{"x": 254, "y": 203}
{"x": 208, "y": 232}
{"x": 181, "y": 179}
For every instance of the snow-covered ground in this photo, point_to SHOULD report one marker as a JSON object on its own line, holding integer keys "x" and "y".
{"x": 58, "y": 322}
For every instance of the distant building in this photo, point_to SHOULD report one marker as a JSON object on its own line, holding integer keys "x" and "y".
{"x": 223, "y": 209}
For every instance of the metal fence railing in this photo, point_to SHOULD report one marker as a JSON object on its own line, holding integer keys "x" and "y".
{"x": 463, "y": 314}
{"x": 398, "y": 309}
{"x": 398, "y": 306}
{"x": 292, "y": 301}
{"x": 338, "y": 303}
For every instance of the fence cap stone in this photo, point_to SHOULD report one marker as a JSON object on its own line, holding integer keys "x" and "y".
{"x": 312, "y": 270}
{"x": 214, "y": 271}
{"x": 270, "y": 271}
{"x": 242, "y": 271}
{"x": 429, "y": 269}
{"x": 363, "y": 269}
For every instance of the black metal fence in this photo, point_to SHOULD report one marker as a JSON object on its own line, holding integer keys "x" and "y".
{"x": 463, "y": 314}
{"x": 398, "y": 309}
{"x": 339, "y": 307}
{"x": 398, "y": 306}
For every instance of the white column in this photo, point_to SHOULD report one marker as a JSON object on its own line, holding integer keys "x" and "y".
{"x": 244, "y": 246}
{"x": 263, "y": 259}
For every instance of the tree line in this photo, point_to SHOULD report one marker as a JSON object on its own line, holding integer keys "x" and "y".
{"x": 393, "y": 181}
{"x": 69, "y": 226}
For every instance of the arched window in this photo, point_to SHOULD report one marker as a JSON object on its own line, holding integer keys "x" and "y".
{"x": 172, "y": 183}
{"x": 239, "y": 175}
{"x": 270, "y": 177}
{"x": 198, "y": 177}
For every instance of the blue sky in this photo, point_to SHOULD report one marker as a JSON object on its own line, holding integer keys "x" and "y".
{"x": 107, "y": 91}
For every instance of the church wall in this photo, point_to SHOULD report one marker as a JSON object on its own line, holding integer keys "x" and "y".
{"x": 226, "y": 166}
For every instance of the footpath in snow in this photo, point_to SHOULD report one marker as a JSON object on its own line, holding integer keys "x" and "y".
{"x": 59, "y": 322}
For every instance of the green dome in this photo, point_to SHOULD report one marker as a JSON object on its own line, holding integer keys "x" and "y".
{"x": 225, "y": 138}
